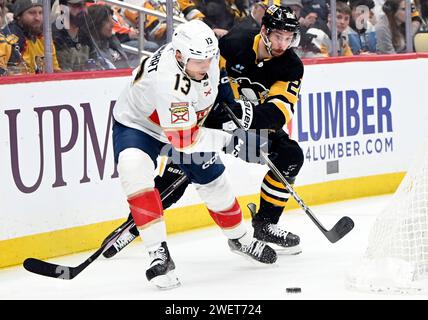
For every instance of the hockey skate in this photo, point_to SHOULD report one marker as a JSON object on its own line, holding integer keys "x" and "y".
{"x": 127, "y": 236}
{"x": 255, "y": 249}
{"x": 161, "y": 270}
{"x": 285, "y": 242}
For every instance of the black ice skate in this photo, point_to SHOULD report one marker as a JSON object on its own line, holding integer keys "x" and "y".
{"x": 161, "y": 270}
{"x": 127, "y": 236}
{"x": 256, "y": 250}
{"x": 287, "y": 242}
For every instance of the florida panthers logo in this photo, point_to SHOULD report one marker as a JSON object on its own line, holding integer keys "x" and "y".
{"x": 254, "y": 92}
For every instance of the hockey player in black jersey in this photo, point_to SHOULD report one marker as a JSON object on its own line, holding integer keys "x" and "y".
{"x": 261, "y": 77}
{"x": 265, "y": 75}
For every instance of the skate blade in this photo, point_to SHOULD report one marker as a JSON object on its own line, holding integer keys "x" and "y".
{"x": 166, "y": 282}
{"x": 251, "y": 260}
{"x": 286, "y": 251}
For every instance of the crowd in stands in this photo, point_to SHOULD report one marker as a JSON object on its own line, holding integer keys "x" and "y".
{"x": 91, "y": 35}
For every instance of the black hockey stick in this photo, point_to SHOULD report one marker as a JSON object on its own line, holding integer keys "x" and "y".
{"x": 64, "y": 272}
{"x": 339, "y": 230}
{"x": 67, "y": 273}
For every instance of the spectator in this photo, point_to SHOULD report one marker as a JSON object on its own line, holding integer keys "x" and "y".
{"x": 127, "y": 30}
{"x": 123, "y": 31}
{"x": 361, "y": 33}
{"x": 108, "y": 50}
{"x": 295, "y": 5}
{"x": 308, "y": 18}
{"x": 21, "y": 41}
{"x": 372, "y": 16}
{"x": 377, "y": 10}
{"x": 258, "y": 9}
{"x": 319, "y": 6}
{"x": 254, "y": 19}
{"x": 155, "y": 29}
{"x": 421, "y": 38}
{"x": 73, "y": 47}
{"x": 222, "y": 14}
{"x": 317, "y": 41}
{"x": 3, "y": 11}
{"x": 5, "y": 15}
{"x": 129, "y": 36}
{"x": 390, "y": 30}
{"x": 423, "y": 7}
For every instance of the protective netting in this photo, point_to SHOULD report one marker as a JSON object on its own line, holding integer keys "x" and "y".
{"x": 397, "y": 255}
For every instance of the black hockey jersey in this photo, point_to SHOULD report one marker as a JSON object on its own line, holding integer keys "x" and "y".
{"x": 271, "y": 84}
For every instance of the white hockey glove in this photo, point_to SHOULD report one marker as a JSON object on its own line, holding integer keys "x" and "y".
{"x": 246, "y": 116}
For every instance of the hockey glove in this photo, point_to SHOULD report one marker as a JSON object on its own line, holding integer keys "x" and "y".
{"x": 170, "y": 175}
{"x": 244, "y": 112}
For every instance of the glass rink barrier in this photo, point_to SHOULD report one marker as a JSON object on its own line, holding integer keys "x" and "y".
{"x": 68, "y": 36}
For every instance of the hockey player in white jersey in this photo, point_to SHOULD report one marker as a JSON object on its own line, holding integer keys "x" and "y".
{"x": 170, "y": 94}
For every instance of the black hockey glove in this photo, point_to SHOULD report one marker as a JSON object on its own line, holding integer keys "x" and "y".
{"x": 170, "y": 175}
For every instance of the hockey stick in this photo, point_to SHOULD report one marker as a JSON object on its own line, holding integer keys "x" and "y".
{"x": 339, "y": 230}
{"x": 52, "y": 270}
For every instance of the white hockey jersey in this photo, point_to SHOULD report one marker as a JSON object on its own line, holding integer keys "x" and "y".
{"x": 166, "y": 104}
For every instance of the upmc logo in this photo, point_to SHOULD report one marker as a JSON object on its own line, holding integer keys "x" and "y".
{"x": 95, "y": 138}
{"x": 345, "y": 123}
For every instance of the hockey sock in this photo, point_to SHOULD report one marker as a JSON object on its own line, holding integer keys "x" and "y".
{"x": 146, "y": 209}
{"x": 273, "y": 198}
{"x": 229, "y": 221}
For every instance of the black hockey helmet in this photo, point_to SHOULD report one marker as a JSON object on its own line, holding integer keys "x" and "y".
{"x": 282, "y": 18}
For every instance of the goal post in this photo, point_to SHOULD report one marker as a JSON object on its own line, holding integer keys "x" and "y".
{"x": 396, "y": 259}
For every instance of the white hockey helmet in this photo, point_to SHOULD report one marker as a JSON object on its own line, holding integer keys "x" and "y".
{"x": 195, "y": 40}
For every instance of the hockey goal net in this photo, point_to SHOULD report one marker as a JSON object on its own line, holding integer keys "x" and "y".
{"x": 396, "y": 259}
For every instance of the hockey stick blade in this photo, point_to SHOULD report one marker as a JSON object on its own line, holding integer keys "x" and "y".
{"x": 340, "y": 229}
{"x": 48, "y": 269}
{"x": 52, "y": 270}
